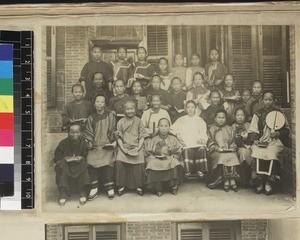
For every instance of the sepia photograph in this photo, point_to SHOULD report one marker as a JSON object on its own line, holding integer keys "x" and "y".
{"x": 168, "y": 119}
{"x": 246, "y": 229}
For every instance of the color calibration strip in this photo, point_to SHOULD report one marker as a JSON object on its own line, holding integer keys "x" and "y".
{"x": 6, "y": 121}
{"x": 23, "y": 120}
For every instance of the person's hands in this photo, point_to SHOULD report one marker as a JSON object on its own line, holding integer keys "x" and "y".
{"x": 220, "y": 149}
{"x": 90, "y": 145}
{"x": 274, "y": 134}
{"x": 84, "y": 120}
{"x": 184, "y": 88}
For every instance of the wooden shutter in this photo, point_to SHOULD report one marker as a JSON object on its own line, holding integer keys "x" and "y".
{"x": 157, "y": 40}
{"x": 107, "y": 232}
{"x": 78, "y": 233}
{"x": 50, "y": 68}
{"x": 241, "y": 56}
{"x": 220, "y": 234}
{"x": 191, "y": 234}
{"x": 272, "y": 43}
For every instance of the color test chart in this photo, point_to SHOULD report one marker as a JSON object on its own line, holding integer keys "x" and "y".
{"x": 20, "y": 120}
{"x": 6, "y": 121}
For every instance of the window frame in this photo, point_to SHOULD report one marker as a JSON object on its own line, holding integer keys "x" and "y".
{"x": 93, "y": 228}
{"x": 235, "y": 227}
{"x": 52, "y": 59}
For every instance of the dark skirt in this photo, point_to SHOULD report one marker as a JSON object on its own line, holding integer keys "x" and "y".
{"x": 103, "y": 175}
{"x": 221, "y": 173}
{"x": 171, "y": 178}
{"x": 67, "y": 185}
{"x": 245, "y": 173}
{"x": 130, "y": 176}
{"x": 257, "y": 178}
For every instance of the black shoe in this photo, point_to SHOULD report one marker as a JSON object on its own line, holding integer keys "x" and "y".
{"x": 121, "y": 191}
{"x": 174, "y": 191}
{"x": 139, "y": 191}
{"x": 259, "y": 189}
{"x": 159, "y": 194}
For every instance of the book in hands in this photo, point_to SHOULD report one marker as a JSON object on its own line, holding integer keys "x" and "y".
{"x": 73, "y": 159}
{"x": 141, "y": 102}
{"x": 227, "y": 150}
{"x": 175, "y": 110}
{"x": 109, "y": 146}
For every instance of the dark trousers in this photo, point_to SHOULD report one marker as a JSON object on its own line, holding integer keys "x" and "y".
{"x": 102, "y": 175}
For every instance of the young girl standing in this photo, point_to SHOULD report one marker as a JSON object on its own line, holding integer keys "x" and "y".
{"x": 122, "y": 69}
{"x": 151, "y": 117}
{"x": 256, "y": 100}
{"x": 215, "y": 70}
{"x": 130, "y": 164}
{"x": 199, "y": 93}
{"x": 77, "y": 110}
{"x": 179, "y": 70}
{"x": 176, "y": 100}
{"x": 136, "y": 93}
{"x": 162, "y": 156}
{"x": 230, "y": 96}
{"x": 190, "y": 72}
{"x": 208, "y": 115}
{"x": 240, "y": 128}
{"x": 269, "y": 156}
{"x": 98, "y": 133}
{"x": 143, "y": 70}
{"x": 116, "y": 103}
{"x": 224, "y": 158}
{"x": 163, "y": 72}
{"x": 191, "y": 129}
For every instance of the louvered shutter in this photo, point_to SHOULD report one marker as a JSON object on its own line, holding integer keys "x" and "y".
{"x": 191, "y": 234}
{"x": 242, "y": 56}
{"x": 220, "y": 234}
{"x": 157, "y": 40}
{"x": 272, "y": 62}
{"x": 77, "y": 233}
{"x": 78, "y": 236}
{"x": 108, "y": 232}
{"x": 107, "y": 235}
{"x": 50, "y": 68}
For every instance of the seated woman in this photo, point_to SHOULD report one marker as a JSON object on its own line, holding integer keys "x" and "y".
{"x": 162, "y": 156}
{"x": 240, "y": 128}
{"x": 267, "y": 150}
{"x": 191, "y": 129}
{"x": 223, "y": 154}
{"x": 71, "y": 166}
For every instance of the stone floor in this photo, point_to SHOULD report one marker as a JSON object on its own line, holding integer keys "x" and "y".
{"x": 193, "y": 197}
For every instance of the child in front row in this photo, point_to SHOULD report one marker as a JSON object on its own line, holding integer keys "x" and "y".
{"x": 71, "y": 167}
{"x": 162, "y": 152}
{"x": 130, "y": 164}
{"x": 99, "y": 132}
{"x": 223, "y": 154}
{"x": 199, "y": 93}
{"x": 176, "y": 100}
{"x": 78, "y": 110}
{"x": 151, "y": 116}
